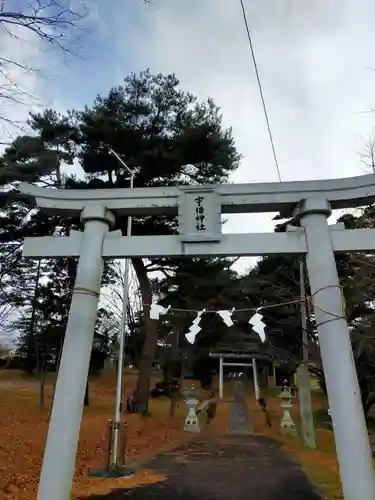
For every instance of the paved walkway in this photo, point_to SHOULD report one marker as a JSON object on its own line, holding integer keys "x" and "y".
{"x": 230, "y": 468}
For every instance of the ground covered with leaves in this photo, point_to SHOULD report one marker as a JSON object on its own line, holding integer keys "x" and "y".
{"x": 24, "y": 430}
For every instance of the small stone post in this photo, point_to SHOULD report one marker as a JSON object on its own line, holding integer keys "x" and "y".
{"x": 191, "y": 421}
{"x": 287, "y": 425}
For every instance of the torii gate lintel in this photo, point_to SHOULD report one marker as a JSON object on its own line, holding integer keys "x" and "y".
{"x": 282, "y": 197}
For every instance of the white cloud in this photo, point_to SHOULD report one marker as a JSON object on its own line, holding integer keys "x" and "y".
{"x": 91, "y": 16}
{"x": 34, "y": 89}
{"x": 313, "y": 59}
{"x": 17, "y": 82}
{"x": 313, "y": 62}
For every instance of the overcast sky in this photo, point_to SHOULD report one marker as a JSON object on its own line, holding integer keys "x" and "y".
{"x": 315, "y": 59}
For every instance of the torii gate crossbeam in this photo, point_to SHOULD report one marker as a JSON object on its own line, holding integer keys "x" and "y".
{"x": 199, "y": 209}
{"x": 246, "y": 245}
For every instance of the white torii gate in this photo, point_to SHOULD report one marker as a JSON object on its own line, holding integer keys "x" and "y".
{"x": 199, "y": 209}
{"x": 242, "y": 360}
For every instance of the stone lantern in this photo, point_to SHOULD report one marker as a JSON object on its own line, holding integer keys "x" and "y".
{"x": 191, "y": 421}
{"x": 287, "y": 425}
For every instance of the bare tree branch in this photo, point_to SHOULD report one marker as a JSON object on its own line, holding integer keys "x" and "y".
{"x": 6, "y": 312}
{"x": 112, "y": 297}
{"x": 368, "y": 157}
{"x": 51, "y": 22}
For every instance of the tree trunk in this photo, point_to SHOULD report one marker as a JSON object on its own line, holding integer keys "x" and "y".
{"x": 32, "y": 346}
{"x": 170, "y": 387}
{"x": 42, "y": 384}
{"x": 174, "y": 396}
{"x": 58, "y": 360}
{"x": 141, "y": 395}
{"x": 370, "y": 402}
{"x": 87, "y": 395}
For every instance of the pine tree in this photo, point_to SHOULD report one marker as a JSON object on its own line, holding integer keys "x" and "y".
{"x": 166, "y": 136}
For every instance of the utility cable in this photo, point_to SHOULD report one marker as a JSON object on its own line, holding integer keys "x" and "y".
{"x": 260, "y": 89}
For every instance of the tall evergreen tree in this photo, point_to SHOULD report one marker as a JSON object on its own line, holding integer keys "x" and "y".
{"x": 277, "y": 280}
{"x": 167, "y": 137}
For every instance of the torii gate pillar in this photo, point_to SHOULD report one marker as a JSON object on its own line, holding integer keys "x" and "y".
{"x": 61, "y": 447}
{"x": 349, "y": 426}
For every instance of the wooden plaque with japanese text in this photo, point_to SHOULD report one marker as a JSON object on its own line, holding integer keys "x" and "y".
{"x": 199, "y": 214}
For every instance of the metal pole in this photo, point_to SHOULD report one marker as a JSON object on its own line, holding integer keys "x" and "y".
{"x": 256, "y": 381}
{"x": 122, "y": 333}
{"x": 303, "y": 378}
{"x": 121, "y": 353}
{"x": 221, "y": 376}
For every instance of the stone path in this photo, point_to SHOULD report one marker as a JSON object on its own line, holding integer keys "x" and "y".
{"x": 239, "y": 416}
{"x": 230, "y": 468}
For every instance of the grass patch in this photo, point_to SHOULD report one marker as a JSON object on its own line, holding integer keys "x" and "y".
{"x": 320, "y": 465}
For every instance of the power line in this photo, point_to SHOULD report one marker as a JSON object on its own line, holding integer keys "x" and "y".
{"x": 260, "y": 89}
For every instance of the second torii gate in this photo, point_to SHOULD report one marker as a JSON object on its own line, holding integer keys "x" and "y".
{"x": 199, "y": 209}
{"x": 244, "y": 360}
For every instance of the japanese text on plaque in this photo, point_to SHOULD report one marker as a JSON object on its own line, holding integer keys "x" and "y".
{"x": 199, "y": 214}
